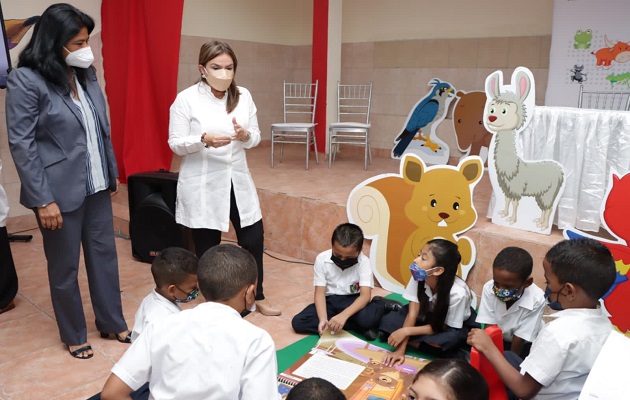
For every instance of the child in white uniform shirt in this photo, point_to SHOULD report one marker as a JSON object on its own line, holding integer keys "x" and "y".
{"x": 578, "y": 273}
{"x": 512, "y": 301}
{"x": 439, "y": 306}
{"x": 174, "y": 271}
{"x": 208, "y": 352}
{"x": 343, "y": 289}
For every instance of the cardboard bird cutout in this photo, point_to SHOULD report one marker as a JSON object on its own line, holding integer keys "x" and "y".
{"x": 419, "y": 134}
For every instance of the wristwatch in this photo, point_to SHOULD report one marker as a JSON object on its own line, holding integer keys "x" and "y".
{"x": 43, "y": 205}
{"x": 203, "y": 136}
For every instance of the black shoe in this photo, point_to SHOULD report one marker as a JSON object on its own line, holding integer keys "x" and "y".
{"x": 390, "y": 305}
{"x": 370, "y": 334}
{"x": 383, "y": 336}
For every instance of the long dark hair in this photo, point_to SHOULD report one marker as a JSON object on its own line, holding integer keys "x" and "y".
{"x": 210, "y": 50}
{"x": 463, "y": 380}
{"x": 446, "y": 256}
{"x": 44, "y": 52}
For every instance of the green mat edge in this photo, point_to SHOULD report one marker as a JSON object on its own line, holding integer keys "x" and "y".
{"x": 293, "y": 352}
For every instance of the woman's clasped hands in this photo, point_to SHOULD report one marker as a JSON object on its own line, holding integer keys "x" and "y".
{"x": 212, "y": 140}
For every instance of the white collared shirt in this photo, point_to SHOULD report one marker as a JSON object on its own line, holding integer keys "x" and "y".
{"x": 336, "y": 281}
{"x": 522, "y": 319}
{"x": 458, "y": 304}
{"x": 154, "y": 307}
{"x": 208, "y": 352}
{"x": 565, "y": 350}
{"x": 206, "y": 174}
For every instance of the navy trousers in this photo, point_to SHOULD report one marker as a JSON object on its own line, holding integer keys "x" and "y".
{"x": 8, "y": 276}
{"x": 368, "y": 318}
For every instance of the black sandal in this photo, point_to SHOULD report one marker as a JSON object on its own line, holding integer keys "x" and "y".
{"x": 77, "y": 353}
{"x": 126, "y": 339}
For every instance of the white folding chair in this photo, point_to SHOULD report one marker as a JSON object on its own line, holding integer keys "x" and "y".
{"x": 299, "y": 119}
{"x": 353, "y": 120}
{"x": 604, "y": 100}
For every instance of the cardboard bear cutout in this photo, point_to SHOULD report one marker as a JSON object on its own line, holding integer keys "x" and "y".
{"x": 473, "y": 139}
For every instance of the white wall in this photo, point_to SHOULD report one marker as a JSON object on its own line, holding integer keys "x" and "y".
{"x": 385, "y": 20}
{"x": 287, "y": 22}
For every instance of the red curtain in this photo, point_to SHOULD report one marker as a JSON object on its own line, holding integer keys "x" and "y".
{"x": 141, "y": 41}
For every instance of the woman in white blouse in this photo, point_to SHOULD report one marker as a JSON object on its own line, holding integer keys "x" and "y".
{"x": 211, "y": 125}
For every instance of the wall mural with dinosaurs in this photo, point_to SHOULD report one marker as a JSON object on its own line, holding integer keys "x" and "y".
{"x": 419, "y": 135}
{"x": 615, "y": 215}
{"x": 401, "y": 212}
{"x": 590, "y": 46}
{"x": 525, "y": 193}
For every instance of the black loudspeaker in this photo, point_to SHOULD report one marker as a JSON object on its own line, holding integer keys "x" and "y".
{"x": 152, "y": 225}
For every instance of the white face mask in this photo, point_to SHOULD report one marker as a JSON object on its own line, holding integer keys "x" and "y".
{"x": 219, "y": 79}
{"x": 81, "y": 58}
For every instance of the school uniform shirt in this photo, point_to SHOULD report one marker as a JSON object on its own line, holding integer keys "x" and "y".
{"x": 522, "y": 319}
{"x": 207, "y": 174}
{"x": 458, "y": 304}
{"x": 336, "y": 281}
{"x": 565, "y": 350}
{"x": 154, "y": 307}
{"x": 207, "y": 352}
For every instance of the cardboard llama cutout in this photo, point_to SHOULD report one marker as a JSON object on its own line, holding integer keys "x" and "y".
{"x": 525, "y": 193}
{"x": 401, "y": 212}
{"x": 419, "y": 135}
{"x": 615, "y": 215}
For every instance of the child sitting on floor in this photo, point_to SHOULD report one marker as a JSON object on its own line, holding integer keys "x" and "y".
{"x": 209, "y": 351}
{"x": 578, "y": 273}
{"x": 439, "y": 304}
{"x": 512, "y": 301}
{"x": 174, "y": 271}
{"x": 343, "y": 289}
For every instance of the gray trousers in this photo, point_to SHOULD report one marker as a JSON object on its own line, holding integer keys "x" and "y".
{"x": 90, "y": 226}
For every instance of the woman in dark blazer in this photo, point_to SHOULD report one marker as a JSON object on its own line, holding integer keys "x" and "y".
{"x": 60, "y": 143}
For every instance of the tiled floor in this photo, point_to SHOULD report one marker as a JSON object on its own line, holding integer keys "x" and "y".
{"x": 34, "y": 364}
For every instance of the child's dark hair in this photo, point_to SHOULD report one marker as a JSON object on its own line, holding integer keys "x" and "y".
{"x": 463, "y": 380}
{"x": 516, "y": 260}
{"x": 315, "y": 389}
{"x": 583, "y": 262}
{"x": 447, "y": 256}
{"x": 348, "y": 234}
{"x": 172, "y": 266}
{"x": 224, "y": 270}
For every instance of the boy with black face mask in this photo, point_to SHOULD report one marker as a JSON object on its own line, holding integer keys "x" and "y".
{"x": 512, "y": 301}
{"x": 343, "y": 289}
{"x": 578, "y": 273}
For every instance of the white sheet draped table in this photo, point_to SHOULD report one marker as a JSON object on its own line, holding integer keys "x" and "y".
{"x": 589, "y": 144}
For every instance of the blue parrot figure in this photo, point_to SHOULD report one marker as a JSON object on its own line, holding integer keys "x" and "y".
{"x": 429, "y": 109}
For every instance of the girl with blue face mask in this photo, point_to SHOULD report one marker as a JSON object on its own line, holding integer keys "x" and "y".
{"x": 439, "y": 303}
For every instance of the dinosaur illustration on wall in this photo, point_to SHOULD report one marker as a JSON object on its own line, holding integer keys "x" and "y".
{"x": 401, "y": 212}
{"x": 419, "y": 134}
{"x": 615, "y": 215}
{"x": 515, "y": 182}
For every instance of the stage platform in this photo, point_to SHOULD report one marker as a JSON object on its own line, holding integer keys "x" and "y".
{"x": 302, "y": 207}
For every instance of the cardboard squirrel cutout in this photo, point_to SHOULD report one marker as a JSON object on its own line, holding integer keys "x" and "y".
{"x": 525, "y": 193}
{"x": 401, "y": 212}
